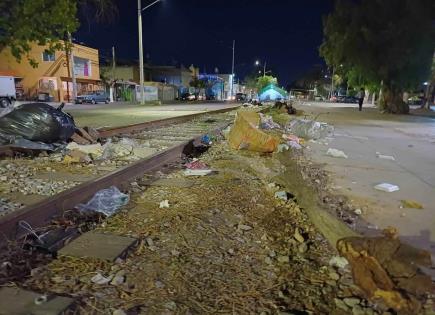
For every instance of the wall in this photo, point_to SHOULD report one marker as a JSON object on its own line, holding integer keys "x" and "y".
{"x": 52, "y": 73}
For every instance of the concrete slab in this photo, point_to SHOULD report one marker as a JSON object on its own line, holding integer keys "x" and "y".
{"x": 97, "y": 245}
{"x": 16, "y": 301}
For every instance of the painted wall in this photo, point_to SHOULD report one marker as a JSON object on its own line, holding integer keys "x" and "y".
{"x": 52, "y": 76}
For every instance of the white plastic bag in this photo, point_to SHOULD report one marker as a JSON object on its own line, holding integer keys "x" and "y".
{"x": 106, "y": 201}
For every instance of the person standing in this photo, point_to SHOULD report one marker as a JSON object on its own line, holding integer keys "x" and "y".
{"x": 361, "y": 96}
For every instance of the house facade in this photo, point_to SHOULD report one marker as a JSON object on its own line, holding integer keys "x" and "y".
{"x": 52, "y": 74}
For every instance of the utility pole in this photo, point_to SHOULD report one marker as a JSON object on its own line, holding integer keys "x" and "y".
{"x": 232, "y": 71}
{"x": 73, "y": 74}
{"x": 264, "y": 69}
{"x": 332, "y": 81}
{"x": 139, "y": 19}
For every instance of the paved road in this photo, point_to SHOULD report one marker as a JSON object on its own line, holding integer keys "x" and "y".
{"x": 410, "y": 139}
{"x": 120, "y": 114}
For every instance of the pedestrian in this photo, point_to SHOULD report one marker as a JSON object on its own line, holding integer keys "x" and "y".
{"x": 361, "y": 95}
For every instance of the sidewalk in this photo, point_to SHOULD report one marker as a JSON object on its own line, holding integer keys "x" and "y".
{"x": 362, "y": 136}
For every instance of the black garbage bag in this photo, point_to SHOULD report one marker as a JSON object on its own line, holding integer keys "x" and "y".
{"x": 37, "y": 122}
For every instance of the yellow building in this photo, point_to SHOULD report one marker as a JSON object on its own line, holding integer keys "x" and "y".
{"x": 52, "y": 74}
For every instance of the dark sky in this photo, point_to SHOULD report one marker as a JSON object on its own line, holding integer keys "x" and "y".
{"x": 284, "y": 33}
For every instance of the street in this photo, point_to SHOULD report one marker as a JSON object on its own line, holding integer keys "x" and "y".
{"x": 361, "y": 135}
{"x": 119, "y": 114}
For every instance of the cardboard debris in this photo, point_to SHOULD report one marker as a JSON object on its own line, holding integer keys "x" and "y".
{"x": 245, "y": 135}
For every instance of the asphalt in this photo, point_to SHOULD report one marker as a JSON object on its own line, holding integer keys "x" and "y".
{"x": 361, "y": 135}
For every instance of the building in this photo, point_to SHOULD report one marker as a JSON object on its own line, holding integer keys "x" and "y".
{"x": 52, "y": 75}
{"x": 272, "y": 93}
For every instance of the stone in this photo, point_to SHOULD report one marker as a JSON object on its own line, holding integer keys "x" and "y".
{"x": 303, "y": 248}
{"x": 338, "y": 261}
{"x": 119, "y": 312}
{"x": 358, "y": 211}
{"x": 352, "y": 301}
{"x": 341, "y": 305}
{"x": 244, "y": 227}
{"x": 358, "y": 310}
{"x": 334, "y": 276}
{"x": 97, "y": 245}
{"x": 283, "y": 259}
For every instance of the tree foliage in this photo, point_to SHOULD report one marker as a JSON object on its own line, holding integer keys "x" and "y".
{"x": 381, "y": 41}
{"x": 264, "y": 81}
{"x": 42, "y": 21}
{"x": 45, "y": 22}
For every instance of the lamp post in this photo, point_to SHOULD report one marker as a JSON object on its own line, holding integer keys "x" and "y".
{"x": 139, "y": 20}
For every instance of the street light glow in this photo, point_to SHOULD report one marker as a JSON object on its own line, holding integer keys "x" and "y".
{"x": 257, "y": 63}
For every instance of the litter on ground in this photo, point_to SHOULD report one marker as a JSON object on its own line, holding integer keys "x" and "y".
{"x": 411, "y": 204}
{"x": 387, "y": 187}
{"x": 336, "y": 153}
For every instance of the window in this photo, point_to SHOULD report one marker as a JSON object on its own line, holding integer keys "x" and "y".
{"x": 46, "y": 56}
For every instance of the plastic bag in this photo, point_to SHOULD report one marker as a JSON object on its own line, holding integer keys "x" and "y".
{"x": 106, "y": 201}
{"x": 309, "y": 129}
{"x": 36, "y": 122}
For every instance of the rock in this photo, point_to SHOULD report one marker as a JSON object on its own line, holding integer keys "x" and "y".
{"x": 338, "y": 261}
{"x": 358, "y": 310}
{"x": 268, "y": 261}
{"x": 298, "y": 236}
{"x": 244, "y": 227}
{"x": 175, "y": 253}
{"x": 171, "y": 305}
{"x": 283, "y": 259}
{"x": 3, "y": 178}
{"x": 231, "y": 251}
{"x": 352, "y": 301}
{"x": 358, "y": 211}
{"x": 340, "y": 304}
{"x": 100, "y": 279}
{"x": 334, "y": 276}
{"x": 119, "y": 312}
{"x": 303, "y": 248}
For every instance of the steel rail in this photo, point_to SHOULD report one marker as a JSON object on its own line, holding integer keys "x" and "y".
{"x": 40, "y": 213}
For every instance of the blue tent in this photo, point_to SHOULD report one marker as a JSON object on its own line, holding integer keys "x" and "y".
{"x": 272, "y": 93}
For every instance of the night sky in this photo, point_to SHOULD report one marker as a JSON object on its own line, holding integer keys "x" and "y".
{"x": 285, "y": 33}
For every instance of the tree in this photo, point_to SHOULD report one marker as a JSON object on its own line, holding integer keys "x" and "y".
{"x": 384, "y": 44}
{"x": 198, "y": 84}
{"x": 45, "y": 22}
{"x": 264, "y": 81}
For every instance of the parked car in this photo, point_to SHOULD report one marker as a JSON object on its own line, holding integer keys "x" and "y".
{"x": 319, "y": 98}
{"x": 187, "y": 97}
{"x": 93, "y": 98}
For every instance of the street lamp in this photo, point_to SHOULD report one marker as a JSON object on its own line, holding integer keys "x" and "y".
{"x": 257, "y": 63}
{"x": 139, "y": 19}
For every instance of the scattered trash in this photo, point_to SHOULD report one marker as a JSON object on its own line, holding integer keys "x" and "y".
{"x": 385, "y": 157}
{"x": 245, "y": 135}
{"x": 290, "y": 137}
{"x": 164, "y": 204}
{"x": 411, "y": 204}
{"x": 106, "y": 201}
{"x": 358, "y": 211}
{"x": 267, "y": 123}
{"x": 309, "y": 129}
{"x": 197, "y": 168}
{"x": 338, "y": 261}
{"x": 244, "y": 227}
{"x": 294, "y": 145}
{"x": 282, "y": 147}
{"x": 206, "y": 140}
{"x": 297, "y": 235}
{"x": 285, "y": 107}
{"x": 281, "y": 195}
{"x": 100, "y": 279}
{"x": 336, "y": 153}
{"x": 95, "y": 151}
{"x": 37, "y": 122}
{"x": 387, "y": 187}
{"x": 197, "y": 172}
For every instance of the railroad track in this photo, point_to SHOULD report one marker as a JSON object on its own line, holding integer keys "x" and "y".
{"x": 168, "y": 138}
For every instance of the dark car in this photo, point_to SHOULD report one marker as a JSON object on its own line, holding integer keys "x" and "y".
{"x": 188, "y": 97}
{"x": 93, "y": 98}
{"x": 346, "y": 99}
